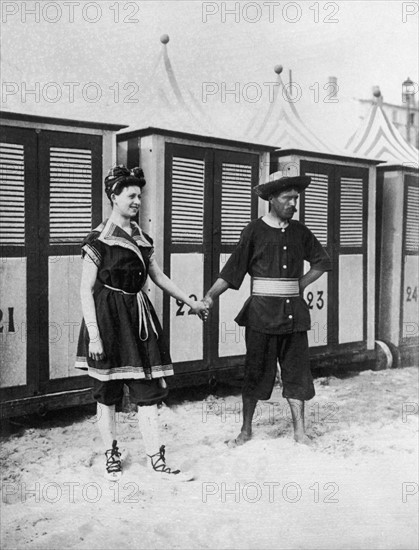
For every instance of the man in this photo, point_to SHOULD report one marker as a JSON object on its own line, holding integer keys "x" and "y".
{"x": 272, "y": 249}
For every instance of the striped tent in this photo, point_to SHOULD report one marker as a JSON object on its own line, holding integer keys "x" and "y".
{"x": 378, "y": 138}
{"x": 280, "y": 125}
{"x": 165, "y": 104}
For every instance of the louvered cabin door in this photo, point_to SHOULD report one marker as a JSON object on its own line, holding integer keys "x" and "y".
{"x": 50, "y": 199}
{"x": 70, "y": 205}
{"x": 410, "y": 263}
{"x": 235, "y": 205}
{"x": 334, "y": 207}
{"x": 19, "y": 262}
{"x": 208, "y": 202}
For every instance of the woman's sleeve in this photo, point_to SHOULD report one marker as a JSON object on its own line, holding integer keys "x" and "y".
{"x": 238, "y": 264}
{"x": 147, "y": 250}
{"x": 92, "y": 248}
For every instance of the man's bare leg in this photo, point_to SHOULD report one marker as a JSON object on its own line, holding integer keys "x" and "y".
{"x": 249, "y": 405}
{"x": 297, "y": 413}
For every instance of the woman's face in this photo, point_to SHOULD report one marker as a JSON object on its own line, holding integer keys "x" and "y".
{"x": 128, "y": 202}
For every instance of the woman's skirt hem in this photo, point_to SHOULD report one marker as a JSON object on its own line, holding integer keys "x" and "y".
{"x": 126, "y": 372}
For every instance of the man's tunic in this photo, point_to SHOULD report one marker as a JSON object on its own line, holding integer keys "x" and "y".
{"x": 270, "y": 252}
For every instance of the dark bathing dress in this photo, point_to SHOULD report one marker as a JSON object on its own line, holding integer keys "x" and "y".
{"x": 129, "y": 327}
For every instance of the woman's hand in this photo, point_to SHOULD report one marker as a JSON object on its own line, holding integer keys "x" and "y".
{"x": 96, "y": 350}
{"x": 200, "y": 309}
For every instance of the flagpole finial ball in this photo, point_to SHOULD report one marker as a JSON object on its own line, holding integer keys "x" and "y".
{"x": 278, "y": 69}
{"x": 164, "y": 38}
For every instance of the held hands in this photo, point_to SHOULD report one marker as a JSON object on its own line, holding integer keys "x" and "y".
{"x": 200, "y": 308}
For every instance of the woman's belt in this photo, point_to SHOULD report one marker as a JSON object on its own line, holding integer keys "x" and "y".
{"x": 144, "y": 312}
{"x": 269, "y": 286}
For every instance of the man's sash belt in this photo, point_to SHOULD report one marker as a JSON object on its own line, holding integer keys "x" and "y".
{"x": 267, "y": 286}
{"x": 144, "y": 313}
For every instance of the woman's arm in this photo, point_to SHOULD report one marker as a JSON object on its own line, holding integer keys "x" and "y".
{"x": 88, "y": 279}
{"x": 166, "y": 284}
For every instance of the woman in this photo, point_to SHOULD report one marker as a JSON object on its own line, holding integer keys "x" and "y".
{"x": 121, "y": 340}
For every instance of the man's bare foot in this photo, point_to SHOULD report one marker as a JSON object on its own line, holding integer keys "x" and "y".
{"x": 303, "y": 439}
{"x": 241, "y": 439}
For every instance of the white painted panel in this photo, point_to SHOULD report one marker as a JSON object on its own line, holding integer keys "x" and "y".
{"x": 371, "y": 275}
{"x": 351, "y": 307}
{"x": 316, "y": 297}
{"x": 65, "y": 314}
{"x": 390, "y": 282}
{"x": 410, "y": 298}
{"x": 186, "y": 331}
{"x": 231, "y": 337}
{"x": 13, "y": 322}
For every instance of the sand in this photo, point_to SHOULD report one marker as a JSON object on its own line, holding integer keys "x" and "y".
{"x": 355, "y": 488}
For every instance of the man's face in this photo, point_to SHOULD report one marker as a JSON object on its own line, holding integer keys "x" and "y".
{"x": 284, "y": 204}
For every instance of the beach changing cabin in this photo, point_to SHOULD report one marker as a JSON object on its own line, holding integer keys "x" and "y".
{"x": 397, "y": 306}
{"x": 51, "y": 179}
{"x": 197, "y": 200}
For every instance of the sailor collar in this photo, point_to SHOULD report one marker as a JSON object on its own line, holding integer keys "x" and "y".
{"x": 271, "y": 223}
{"x": 113, "y": 235}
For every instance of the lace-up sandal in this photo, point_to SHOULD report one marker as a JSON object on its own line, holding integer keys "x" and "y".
{"x": 113, "y": 463}
{"x": 158, "y": 464}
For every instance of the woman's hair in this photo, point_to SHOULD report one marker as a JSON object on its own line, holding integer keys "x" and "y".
{"x": 120, "y": 177}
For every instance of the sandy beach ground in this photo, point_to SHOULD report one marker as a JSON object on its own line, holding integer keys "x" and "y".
{"x": 355, "y": 488}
